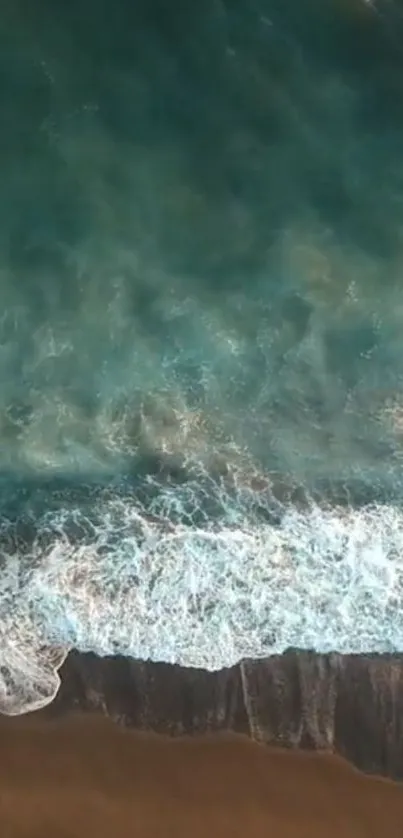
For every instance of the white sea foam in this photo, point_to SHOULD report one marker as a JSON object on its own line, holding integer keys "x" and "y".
{"x": 140, "y": 582}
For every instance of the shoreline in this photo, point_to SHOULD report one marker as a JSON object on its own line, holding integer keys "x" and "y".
{"x": 349, "y": 705}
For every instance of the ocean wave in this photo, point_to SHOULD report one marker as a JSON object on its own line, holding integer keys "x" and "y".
{"x": 201, "y": 575}
{"x": 201, "y": 265}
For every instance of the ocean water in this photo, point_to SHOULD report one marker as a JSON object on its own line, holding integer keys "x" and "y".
{"x": 201, "y": 332}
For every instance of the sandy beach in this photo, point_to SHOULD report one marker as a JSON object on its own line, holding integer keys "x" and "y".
{"x": 85, "y": 776}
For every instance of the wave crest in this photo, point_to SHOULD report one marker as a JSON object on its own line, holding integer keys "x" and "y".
{"x": 198, "y": 575}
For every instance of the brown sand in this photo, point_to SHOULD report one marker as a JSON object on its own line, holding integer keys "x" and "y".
{"x": 86, "y": 776}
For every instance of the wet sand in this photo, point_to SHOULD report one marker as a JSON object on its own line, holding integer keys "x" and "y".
{"x": 85, "y": 776}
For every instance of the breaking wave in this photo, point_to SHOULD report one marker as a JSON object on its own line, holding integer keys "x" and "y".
{"x": 200, "y": 575}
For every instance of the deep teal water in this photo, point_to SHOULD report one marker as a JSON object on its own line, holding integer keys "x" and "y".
{"x": 201, "y": 210}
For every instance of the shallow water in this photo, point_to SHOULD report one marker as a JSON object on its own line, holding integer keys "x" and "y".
{"x": 200, "y": 287}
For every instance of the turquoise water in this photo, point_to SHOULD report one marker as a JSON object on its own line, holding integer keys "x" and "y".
{"x": 201, "y": 308}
